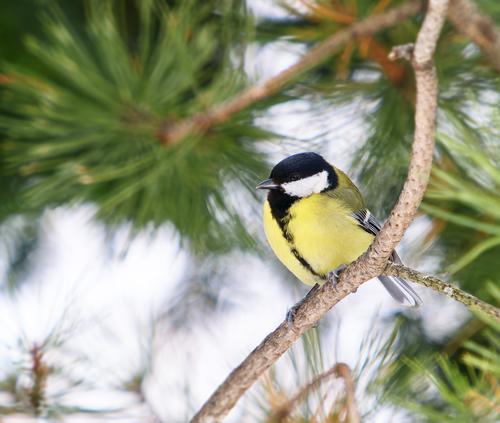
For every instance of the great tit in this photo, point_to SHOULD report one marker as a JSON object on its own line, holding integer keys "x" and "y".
{"x": 316, "y": 221}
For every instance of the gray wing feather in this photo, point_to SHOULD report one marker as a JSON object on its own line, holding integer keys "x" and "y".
{"x": 398, "y": 288}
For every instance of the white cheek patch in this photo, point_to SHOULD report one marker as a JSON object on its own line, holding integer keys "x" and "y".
{"x": 307, "y": 186}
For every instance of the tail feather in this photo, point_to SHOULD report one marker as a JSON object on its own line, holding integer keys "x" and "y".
{"x": 399, "y": 288}
{"x": 401, "y": 291}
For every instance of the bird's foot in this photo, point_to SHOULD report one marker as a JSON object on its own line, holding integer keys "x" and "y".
{"x": 290, "y": 315}
{"x": 333, "y": 276}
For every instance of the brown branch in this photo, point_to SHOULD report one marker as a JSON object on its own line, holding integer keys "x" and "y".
{"x": 481, "y": 29}
{"x": 39, "y": 373}
{"x": 341, "y": 370}
{"x": 345, "y": 373}
{"x": 172, "y": 133}
{"x": 445, "y": 288}
{"x": 370, "y": 264}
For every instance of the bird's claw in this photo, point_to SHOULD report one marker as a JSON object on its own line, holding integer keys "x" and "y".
{"x": 290, "y": 315}
{"x": 333, "y": 276}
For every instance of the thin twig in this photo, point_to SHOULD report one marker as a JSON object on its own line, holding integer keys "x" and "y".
{"x": 341, "y": 370}
{"x": 445, "y": 288}
{"x": 172, "y": 133}
{"x": 370, "y": 264}
{"x": 284, "y": 411}
{"x": 481, "y": 29}
{"x": 39, "y": 373}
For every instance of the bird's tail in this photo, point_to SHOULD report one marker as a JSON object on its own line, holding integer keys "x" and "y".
{"x": 401, "y": 291}
{"x": 399, "y": 288}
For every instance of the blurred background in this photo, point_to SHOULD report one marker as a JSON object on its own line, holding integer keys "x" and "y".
{"x": 134, "y": 274}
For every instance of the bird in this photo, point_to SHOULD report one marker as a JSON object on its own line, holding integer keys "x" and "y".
{"x": 316, "y": 222}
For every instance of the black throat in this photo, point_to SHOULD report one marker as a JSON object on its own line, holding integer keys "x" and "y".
{"x": 280, "y": 203}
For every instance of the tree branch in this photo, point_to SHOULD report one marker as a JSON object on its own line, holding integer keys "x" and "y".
{"x": 445, "y": 288}
{"x": 345, "y": 373}
{"x": 370, "y": 264}
{"x": 481, "y": 29}
{"x": 172, "y": 133}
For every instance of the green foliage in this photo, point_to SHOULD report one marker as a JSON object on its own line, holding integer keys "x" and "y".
{"x": 19, "y": 239}
{"x": 17, "y": 19}
{"x": 443, "y": 390}
{"x": 462, "y": 200}
{"x": 467, "y": 199}
{"x": 86, "y": 128}
{"x": 383, "y": 129}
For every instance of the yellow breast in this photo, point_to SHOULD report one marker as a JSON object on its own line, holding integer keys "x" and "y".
{"x": 322, "y": 233}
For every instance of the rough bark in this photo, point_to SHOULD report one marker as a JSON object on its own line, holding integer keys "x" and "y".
{"x": 445, "y": 288}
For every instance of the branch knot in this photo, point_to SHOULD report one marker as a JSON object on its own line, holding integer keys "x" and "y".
{"x": 403, "y": 51}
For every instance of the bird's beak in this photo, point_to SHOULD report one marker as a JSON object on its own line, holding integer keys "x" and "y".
{"x": 267, "y": 184}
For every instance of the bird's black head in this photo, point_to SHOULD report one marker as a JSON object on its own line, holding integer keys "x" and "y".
{"x": 301, "y": 175}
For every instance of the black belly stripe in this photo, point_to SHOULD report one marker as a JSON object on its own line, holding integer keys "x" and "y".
{"x": 283, "y": 224}
{"x": 305, "y": 263}
{"x": 280, "y": 204}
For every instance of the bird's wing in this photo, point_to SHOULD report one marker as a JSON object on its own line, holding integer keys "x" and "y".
{"x": 347, "y": 192}
{"x": 367, "y": 221}
{"x": 398, "y": 288}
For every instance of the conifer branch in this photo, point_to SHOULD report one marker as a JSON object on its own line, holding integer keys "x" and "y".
{"x": 481, "y": 29}
{"x": 340, "y": 370}
{"x": 173, "y": 132}
{"x": 372, "y": 263}
{"x": 445, "y": 288}
{"x": 464, "y": 14}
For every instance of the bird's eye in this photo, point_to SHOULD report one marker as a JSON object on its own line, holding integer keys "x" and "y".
{"x": 295, "y": 177}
